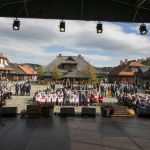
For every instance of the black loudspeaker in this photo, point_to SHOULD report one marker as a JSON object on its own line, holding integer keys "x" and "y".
{"x": 88, "y": 111}
{"x": 9, "y": 111}
{"x": 143, "y": 112}
{"x": 64, "y": 112}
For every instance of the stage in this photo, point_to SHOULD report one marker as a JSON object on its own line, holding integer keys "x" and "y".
{"x": 73, "y": 133}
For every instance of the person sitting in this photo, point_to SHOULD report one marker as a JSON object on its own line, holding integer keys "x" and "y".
{"x": 72, "y": 99}
{"x": 38, "y": 98}
{"x": 96, "y": 98}
{"x": 92, "y": 99}
{"x": 49, "y": 97}
{"x": 60, "y": 99}
{"x": 100, "y": 98}
{"x": 137, "y": 95}
{"x": 77, "y": 99}
{"x": 120, "y": 98}
{"x": 139, "y": 104}
{"x": 145, "y": 98}
{"x": 133, "y": 95}
{"x": 81, "y": 99}
{"x": 87, "y": 99}
{"x": 67, "y": 99}
{"x": 10, "y": 93}
{"x": 43, "y": 99}
{"x": 54, "y": 98}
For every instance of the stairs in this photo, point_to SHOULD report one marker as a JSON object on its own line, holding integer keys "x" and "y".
{"x": 120, "y": 112}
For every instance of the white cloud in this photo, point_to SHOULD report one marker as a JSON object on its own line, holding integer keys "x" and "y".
{"x": 34, "y": 36}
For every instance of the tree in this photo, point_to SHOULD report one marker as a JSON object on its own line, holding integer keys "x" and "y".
{"x": 56, "y": 74}
{"x": 90, "y": 71}
{"x": 40, "y": 72}
{"x": 146, "y": 61}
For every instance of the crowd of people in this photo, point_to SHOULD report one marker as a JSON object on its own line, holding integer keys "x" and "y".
{"x": 83, "y": 95}
{"x": 24, "y": 89}
{"x": 6, "y": 93}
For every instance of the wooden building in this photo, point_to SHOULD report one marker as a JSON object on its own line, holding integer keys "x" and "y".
{"x": 123, "y": 73}
{"x": 5, "y": 68}
{"x": 23, "y": 72}
{"x": 67, "y": 64}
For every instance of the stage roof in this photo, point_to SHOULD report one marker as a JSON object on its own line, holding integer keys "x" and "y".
{"x": 89, "y": 10}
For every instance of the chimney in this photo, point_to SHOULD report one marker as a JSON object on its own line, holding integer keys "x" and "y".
{"x": 60, "y": 55}
{"x": 126, "y": 61}
{"x": 79, "y": 55}
{"x": 121, "y": 62}
{"x": 139, "y": 61}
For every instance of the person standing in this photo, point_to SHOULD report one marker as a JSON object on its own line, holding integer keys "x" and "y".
{"x": 48, "y": 86}
{"x": 21, "y": 88}
{"x": 52, "y": 86}
{"x": 81, "y": 99}
{"x": 98, "y": 87}
{"x": 104, "y": 91}
{"x": 17, "y": 88}
{"x": 29, "y": 88}
{"x": 117, "y": 91}
{"x": 24, "y": 89}
{"x": 113, "y": 90}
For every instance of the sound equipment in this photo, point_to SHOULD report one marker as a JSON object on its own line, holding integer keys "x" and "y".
{"x": 143, "y": 112}
{"x": 88, "y": 111}
{"x": 9, "y": 111}
{"x": 64, "y": 112}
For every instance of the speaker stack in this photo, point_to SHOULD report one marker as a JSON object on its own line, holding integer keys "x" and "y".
{"x": 9, "y": 111}
{"x": 65, "y": 112}
{"x": 90, "y": 112}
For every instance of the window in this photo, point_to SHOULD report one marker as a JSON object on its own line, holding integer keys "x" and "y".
{"x": 67, "y": 67}
{"x": 130, "y": 79}
{"x": 123, "y": 79}
{"x": 3, "y": 61}
{"x": 0, "y": 60}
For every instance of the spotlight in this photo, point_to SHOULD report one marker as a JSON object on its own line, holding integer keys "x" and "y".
{"x": 62, "y": 26}
{"x": 99, "y": 28}
{"x": 143, "y": 29}
{"x": 16, "y": 24}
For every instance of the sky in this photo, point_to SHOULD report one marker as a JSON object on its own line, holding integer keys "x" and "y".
{"x": 40, "y": 41}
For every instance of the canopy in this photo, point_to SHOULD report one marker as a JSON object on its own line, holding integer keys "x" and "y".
{"x": 89, "y": 10}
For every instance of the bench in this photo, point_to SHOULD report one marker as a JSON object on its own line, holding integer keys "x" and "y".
{"x": 33, "y": 110}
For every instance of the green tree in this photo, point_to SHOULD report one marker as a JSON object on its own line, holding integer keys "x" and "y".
{"x": 90, "y": 71}
{"x": 40, "y": 72}
{"x": 146, "y": 61}
{"x": 56, "y": 74}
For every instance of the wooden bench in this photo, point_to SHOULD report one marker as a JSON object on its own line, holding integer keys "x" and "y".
{"x": 120, "y": 112}
{"x": 33, "y": 110}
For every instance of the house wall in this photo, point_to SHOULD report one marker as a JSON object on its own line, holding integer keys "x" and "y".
{"x": 3, "y": 62}
{"x": 122, "y": 79}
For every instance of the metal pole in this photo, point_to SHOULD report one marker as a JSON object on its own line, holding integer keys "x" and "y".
{"x": 33, "y": 76}
{"x": 6, "y": 79}
{"x": 107, "y": 81}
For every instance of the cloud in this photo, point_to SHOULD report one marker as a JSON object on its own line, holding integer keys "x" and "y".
{"x": 31, "y": 42}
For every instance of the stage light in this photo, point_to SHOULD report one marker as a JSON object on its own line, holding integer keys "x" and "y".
{"x": 99, "y": 28}
{"x": 16, "y": 24}
{"x": 143, "y": 29}
{"x": 62, "y": 26}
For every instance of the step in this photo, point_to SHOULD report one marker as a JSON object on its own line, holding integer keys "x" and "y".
{"x": 121, "y": 115}
{"x": 121, "y": 111}
{"x": 119, "y": 108}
